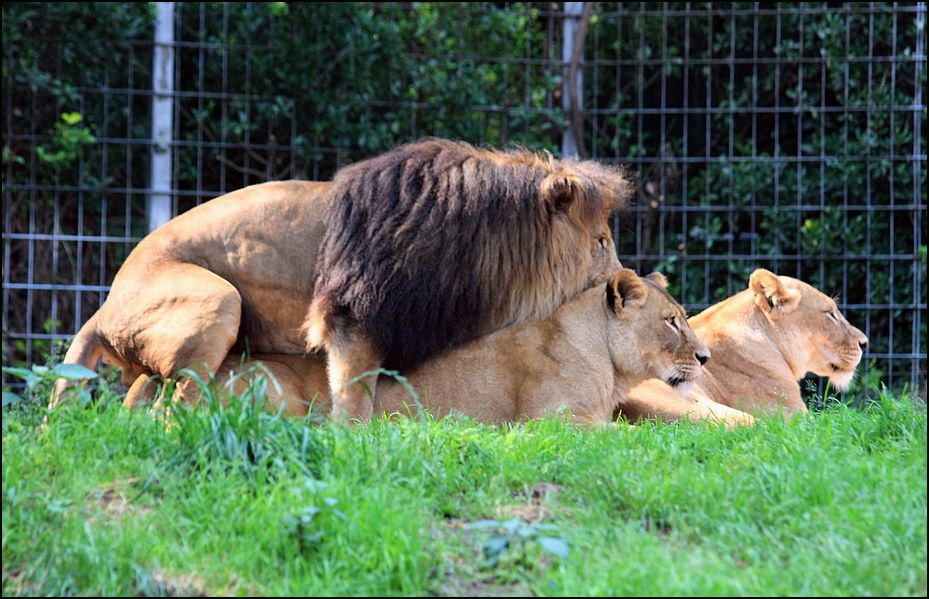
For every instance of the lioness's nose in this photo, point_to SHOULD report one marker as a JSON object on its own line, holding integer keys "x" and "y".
{"x": 702, "y": 357}
{"x": 863, "y": 344}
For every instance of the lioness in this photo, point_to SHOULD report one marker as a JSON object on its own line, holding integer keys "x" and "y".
{"x": 584, "y": 357}
{"x": 763, "y": 341}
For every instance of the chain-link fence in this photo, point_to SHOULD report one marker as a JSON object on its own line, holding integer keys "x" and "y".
{"x": 786, "y": 136}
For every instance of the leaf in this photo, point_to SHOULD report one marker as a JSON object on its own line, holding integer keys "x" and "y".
{"x": 9, "y": 156}
{"x": 513, "y": 525}
{"x": 309, "y": 512}
{"x": 72, "y": 118}
{"x": 32, "y": 379}
{"x": 315, "y": 485}
{"x": 340, "y": 514}
{"x": 10, "y": 399}
{"x": 556, "y": 547}
{"x": 73, "y": 372}
{"x": 23, "y": 373}
{"x": 313, "y": 537}
{"x": 481, "y": 524}
{"x": 85, "y": 397}
{"x": 495, "y": 546}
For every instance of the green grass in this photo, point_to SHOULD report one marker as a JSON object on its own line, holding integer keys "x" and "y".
{"x": 238, "y": 501}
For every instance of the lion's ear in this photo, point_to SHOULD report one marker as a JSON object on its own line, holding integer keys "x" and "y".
{"x": 625, "y": 291}
{"x": 771, "y": 294}
{"x": 658, "y": 279}
{"x": 560, "y": 190}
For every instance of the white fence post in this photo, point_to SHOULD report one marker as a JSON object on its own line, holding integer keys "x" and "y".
{"x": 158, "y": 207}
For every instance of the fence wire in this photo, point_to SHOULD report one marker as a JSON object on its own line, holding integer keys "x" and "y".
{"x": 788, "y": 136}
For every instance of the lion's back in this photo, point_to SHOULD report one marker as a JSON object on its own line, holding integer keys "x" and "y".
{"x": 293, "y": 210}
{"x": 262, "y": 239}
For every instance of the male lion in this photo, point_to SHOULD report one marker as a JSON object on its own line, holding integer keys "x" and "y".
{"x": 437, "y": 243}
{"x": 763, "y": 341}
{"x": 584, "y": 357}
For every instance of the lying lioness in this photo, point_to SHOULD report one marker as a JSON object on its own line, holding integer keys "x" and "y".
{"x": 584, "y": 358}
{"x": 763, "y": 340}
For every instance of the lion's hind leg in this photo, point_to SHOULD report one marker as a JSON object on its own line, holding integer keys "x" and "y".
{"x": 143, "y": 391}
{"x": 185, "y": 317}
{"x": 85, "y": 350}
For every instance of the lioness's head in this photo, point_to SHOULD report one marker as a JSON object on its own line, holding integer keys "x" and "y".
{"x": 815, "y": 335}
{"x": 650, "y": 335}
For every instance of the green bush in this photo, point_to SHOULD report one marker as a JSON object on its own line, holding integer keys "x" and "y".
{"x": 813, "y": 191}
{"x": 819, "y": 188}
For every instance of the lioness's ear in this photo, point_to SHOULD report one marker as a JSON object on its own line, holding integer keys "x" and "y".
{"x": 771, "y": 294}
{"x": 560, "y": 190}
{"x": 625, "y": 291}
{"x": 658, "y": 279}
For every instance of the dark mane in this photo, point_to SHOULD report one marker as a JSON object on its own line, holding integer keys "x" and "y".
{"x": 437, "y": 242}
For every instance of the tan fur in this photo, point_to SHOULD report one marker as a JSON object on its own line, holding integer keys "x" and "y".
{"x": 763, "y": 341}
{"x": 582, "y": 359}
{"x": 237, "y": 268}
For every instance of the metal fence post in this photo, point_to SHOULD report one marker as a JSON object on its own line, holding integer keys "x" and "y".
{"x": 918, "y": 214}
{"x": 573, "y": 12}
{"x": 158, "y": 208}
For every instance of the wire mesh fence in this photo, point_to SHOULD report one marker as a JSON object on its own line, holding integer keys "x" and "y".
{"x": 785, "y": 136}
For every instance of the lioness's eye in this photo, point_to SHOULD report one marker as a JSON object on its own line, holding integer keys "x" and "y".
{"x": 602, "y": 241}
{"x": 672, "y": 320}
{"x": 833, "y": 315}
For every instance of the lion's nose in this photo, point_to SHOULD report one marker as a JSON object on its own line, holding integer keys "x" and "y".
{"x": 863, "y": 344}
{"x": 702, "y": 357}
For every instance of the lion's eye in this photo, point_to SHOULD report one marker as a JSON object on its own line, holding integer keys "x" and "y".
{"x": 833, "y": 315}
{"x": 672, "y": 320}
{"x": 602, "y": 241}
